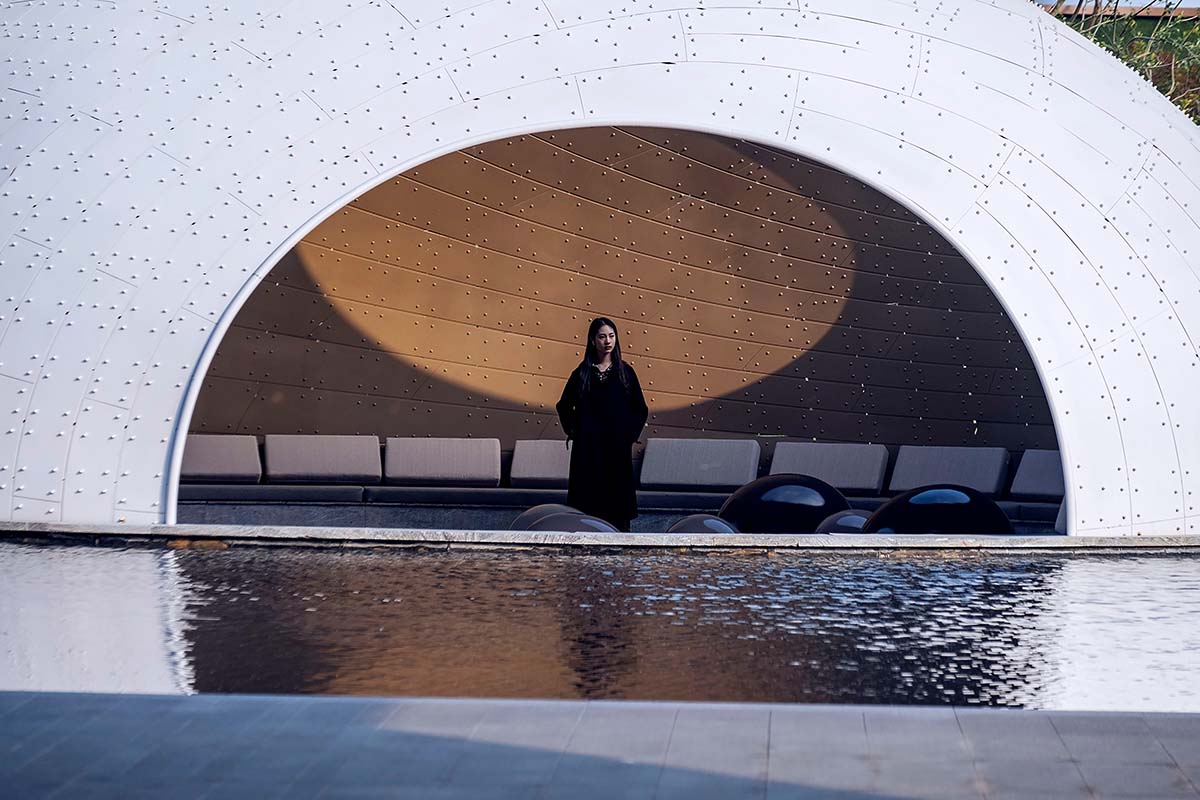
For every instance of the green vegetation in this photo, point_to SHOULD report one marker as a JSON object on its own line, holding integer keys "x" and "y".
{"x": 1163, "y": 49}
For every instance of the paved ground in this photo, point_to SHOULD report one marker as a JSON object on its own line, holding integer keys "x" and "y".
{"x": 110, "y": 746}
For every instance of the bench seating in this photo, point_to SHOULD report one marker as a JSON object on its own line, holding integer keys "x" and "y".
{"x": 700, "y": 465}
{"x": 221, "y": 458}
{"x": 678, "y": 476}
{"x": 980, "y": 468}
{"x": 1039, "y": 477}
{"x": 540, "y": 464}
{"x": 852, "y": 469}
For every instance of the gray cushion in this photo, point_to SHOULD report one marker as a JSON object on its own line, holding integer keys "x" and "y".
{"x": 1039, "y": 477}
{"x": 221, "y": 458}
{"x": 699, "y": 464}
{"x": 981, "y": 468}
{"x": 540, "y": 464}
{"x": 853, "y": 468}
{"x": 442, "y": 462}
{"x": 293, "y": 458}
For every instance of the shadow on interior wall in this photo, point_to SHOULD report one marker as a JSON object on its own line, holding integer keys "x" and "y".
{"x": 864, "y": 324}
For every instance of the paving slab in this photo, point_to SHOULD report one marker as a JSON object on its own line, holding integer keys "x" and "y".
{"x": 327, "y": 747}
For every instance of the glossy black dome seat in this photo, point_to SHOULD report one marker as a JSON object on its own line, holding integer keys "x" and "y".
{"x": 851, "y": 521}
{"x": 782, "y": 504}
{"x": 944, "y": 508}
{"x": 570, "y": 522}
{"x": 531, "y": 515}
{"x": 702, "y": 523}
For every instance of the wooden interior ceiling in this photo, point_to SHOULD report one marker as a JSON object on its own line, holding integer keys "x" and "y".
{"x": 757, "y": 294}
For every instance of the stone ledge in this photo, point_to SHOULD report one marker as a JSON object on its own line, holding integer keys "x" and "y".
{"x": 183, "y": 534}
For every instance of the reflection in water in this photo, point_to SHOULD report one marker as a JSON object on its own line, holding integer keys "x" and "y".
{"x": 91, "y": 620}
{"x": 1028, "y": 630}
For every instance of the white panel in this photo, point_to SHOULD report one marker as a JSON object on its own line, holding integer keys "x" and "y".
{"x": 90, "y": 175}
{"x": 1095, "y": 84}
{"x": 25, "y": 509}
{"x": 491, "y": 25}
{"x": 135, "y": 337}
{"x": 54, "y": 405}
{"x": 292, "y": 21}
{"x": 114, "y": 213}
{"x": 14, "y": 408}
{"x": 634, "y": 40}
{"x": 1135, "y": 289}
{"x": 1152, "y": 462}
{"x": 731, "y": 105}
{"x": 1154, "y": 249}
{"x": 1087, "y": 433}
{"x": 38, "y": 318}
{"x": 423, "y": 12}
{"x": 142, "y": 467}
{"x": 26, "y": 26}
{"x": 404, "y": 104}
{"x": 1092, "y": 304}
{"x": 90, "y": 480}
{"x": 962, "y": 144}
{"x": 1181, "y": 152}
{"x": 199, "y": 254}
{"x": 1173, "y": 201}
{"x": 369, "y": 25}
{"x": 930, "y": 183}
{"x": 553, "y": 103}
{"x": 1160, "y": 527}
{"x": 45, "y": 189}
{"x": 857, "y": 51}
{"x": 1123, "y": 150}
{"x": 1050, "y": 329}
{"x": 1177, "y": 371}
{"x": 27, "y": 121}
{"x": 569, "y": 13}
{"x": 20, "y": 263}
{"x": 1000, "y": 31}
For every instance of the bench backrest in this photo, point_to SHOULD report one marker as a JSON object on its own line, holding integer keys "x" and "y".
{"x": 700, "y": 464}
{"x": 220, "y": 458}
{"x": 320, "y": 458}
{"x": 420, "y": 461}
{"x": 1039, "y": 477}
{"x": 855, "y": 469}
{"x": 540, "y": 464}
{"x": 981, "y": 468}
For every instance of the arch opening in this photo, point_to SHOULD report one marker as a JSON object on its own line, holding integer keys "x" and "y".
{"x": 760, "y": 293}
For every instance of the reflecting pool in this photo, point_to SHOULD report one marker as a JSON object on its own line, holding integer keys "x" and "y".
{"x": 1039, "y": 631}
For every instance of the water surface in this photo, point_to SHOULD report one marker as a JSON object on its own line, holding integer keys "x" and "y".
{"x": 1041, "y": 631}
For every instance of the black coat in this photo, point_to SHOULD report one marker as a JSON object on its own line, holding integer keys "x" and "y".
{"x": 603, "y": 422}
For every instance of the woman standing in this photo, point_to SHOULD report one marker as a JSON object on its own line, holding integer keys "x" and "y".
{"x": 602, "y": 409}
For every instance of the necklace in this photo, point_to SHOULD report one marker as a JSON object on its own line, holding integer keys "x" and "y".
{"x": 602, "y": 374}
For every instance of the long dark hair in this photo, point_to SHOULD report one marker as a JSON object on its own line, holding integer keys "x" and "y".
{"x": 586, "y": 367}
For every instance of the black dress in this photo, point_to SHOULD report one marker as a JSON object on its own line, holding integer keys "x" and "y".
{"x": 604, "y": 422}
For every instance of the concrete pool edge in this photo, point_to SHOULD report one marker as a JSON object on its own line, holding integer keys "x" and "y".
{"x": 187, "y": 534}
